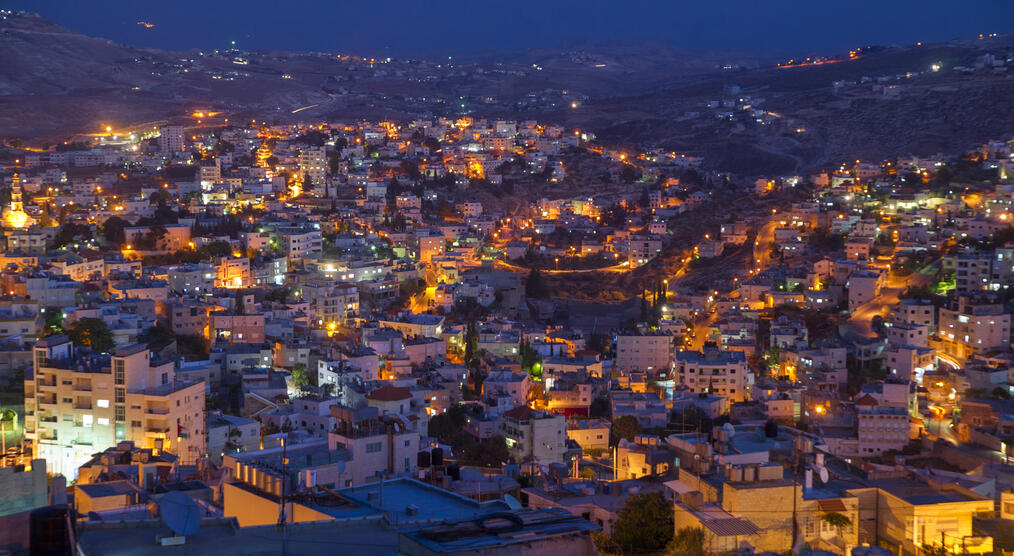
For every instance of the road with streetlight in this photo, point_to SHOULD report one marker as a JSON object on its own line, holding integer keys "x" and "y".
{"x": 860, "y": 324}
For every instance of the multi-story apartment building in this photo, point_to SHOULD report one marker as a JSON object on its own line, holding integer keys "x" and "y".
{"x": 863, "y": 286}
{"x": 313, "y": 163}
{"x": 170, "y": 139}
{"x": 880, "y": 427}
{"x": 724, "y": 373}
{"x": 269, "y": 271}
{"x": 77, "y": 404}
{"x": 379, "y": 445}
{"x": 192, "y": 279}
{"x": 538, "y": 436}
{"x": 189, "y": 318}
{"x": 330, "y": 302}
{"x": 50, "y": 291}
{"x": 972, "y": 272}
{"x": 905, "y": 334}
{"x": 916, "y": 311}
{"x": 644, "y": 352}
{"x": 227, "y": 326}
{"x": 19, "y": 317}
{"x": 1002, "y": 270}
{"x": 232, "y": 272}
{"x": 971, "y": 325}
{"x": 299, "y": 244}
{"x": 643, "y": 248}
{"x": 78, "y": 268}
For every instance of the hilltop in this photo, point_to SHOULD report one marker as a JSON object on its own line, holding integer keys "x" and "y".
{"x": 741, "y": 113}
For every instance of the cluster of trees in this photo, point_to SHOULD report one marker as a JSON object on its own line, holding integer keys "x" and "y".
{"x": 624, "y": 428}
{"x": 91, "y": 332}
{"x": 645, "y": 525}
{"x": 535, "y": 285}
{"x": 449, "y": 429}
{"x": 652, "y": 301}
{"x": 531, "y": 361}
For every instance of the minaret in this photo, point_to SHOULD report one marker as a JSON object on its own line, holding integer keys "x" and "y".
{"x": 14, "y": 216}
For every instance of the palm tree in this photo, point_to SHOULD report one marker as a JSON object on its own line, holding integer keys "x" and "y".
{"x": 839, "y": 522}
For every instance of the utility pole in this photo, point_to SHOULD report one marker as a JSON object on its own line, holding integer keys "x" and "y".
{"x": 281, "y": 508}
{"x": 795, "y": 524}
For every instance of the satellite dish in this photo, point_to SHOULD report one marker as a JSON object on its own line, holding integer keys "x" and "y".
{"x": 730, "y": 429}
{"x": 512, "y": 502}
{"x": 341, "y": 466}
{"x": 822, "y": 472}
{"x": 180, "y": 513}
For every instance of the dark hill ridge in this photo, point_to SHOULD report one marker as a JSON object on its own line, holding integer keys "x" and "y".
{"x": 55, "y": 83}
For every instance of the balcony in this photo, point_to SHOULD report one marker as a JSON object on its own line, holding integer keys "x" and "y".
{"x": 82, "y": 387}
{"x": 157, "y": 411}
{"x": 157, "y": 430}
{"x": 48, "y": 419}
{"x": 80, "y": 405}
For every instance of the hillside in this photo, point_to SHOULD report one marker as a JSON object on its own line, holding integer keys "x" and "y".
{"x": 741, "y": 113}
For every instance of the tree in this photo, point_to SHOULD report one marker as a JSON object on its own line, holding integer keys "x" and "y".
{"x": 688, "y": 541}
{"x": 489, "y": 452}
{"x": 471, "y": 346}
{"x": 158, "y": 334}
{"x": 537, "y": 396}
{"x": 600, "y": 343}
{"x": 53, "y": 322}
{"x": 112, "y": 230}
{"x": 529, "y": 359}
{"x": 535, "y": 286}
{"x": 444, "y": 426}
{"x": 91, "y": 332}
{"x": 599, "y": 407}
{"x": 645, "y": 523}
{"x": 624, "y": 427}
{"x": 839, "y": 521}
{"x": 629, "y": 174}
{"x": 299, "y": 376}
{"x": 70, "y": 233}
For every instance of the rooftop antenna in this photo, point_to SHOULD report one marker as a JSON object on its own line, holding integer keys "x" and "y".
{"x": 181, "y": 515}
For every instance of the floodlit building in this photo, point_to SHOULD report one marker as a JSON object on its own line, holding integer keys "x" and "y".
{"x": 77, "y": 404}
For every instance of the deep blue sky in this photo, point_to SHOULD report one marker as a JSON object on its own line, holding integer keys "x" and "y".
{"x": 400, "y": 27}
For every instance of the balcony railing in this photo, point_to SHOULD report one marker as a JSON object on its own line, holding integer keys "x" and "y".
{"x": 157, "y": 411}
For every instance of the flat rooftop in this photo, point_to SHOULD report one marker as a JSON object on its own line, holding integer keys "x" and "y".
{"x": 223, "y": 537}
{"x": 395, "y": 496}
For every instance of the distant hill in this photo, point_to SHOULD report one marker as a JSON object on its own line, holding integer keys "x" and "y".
{"x": 740, "y": 112}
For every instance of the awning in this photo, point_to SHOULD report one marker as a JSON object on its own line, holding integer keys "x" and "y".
{"x": 731, "y": 527}
{"x": 831, "y": 505}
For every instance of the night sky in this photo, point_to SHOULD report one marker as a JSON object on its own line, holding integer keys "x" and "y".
{"x": 418, "y": 27}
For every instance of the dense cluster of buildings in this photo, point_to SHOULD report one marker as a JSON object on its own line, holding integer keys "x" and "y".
{"x": 339, "y": 324}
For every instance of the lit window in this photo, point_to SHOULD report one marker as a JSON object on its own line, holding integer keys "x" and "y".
{"x": 103, "y": 421}
{"x": 102, "y": 403}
